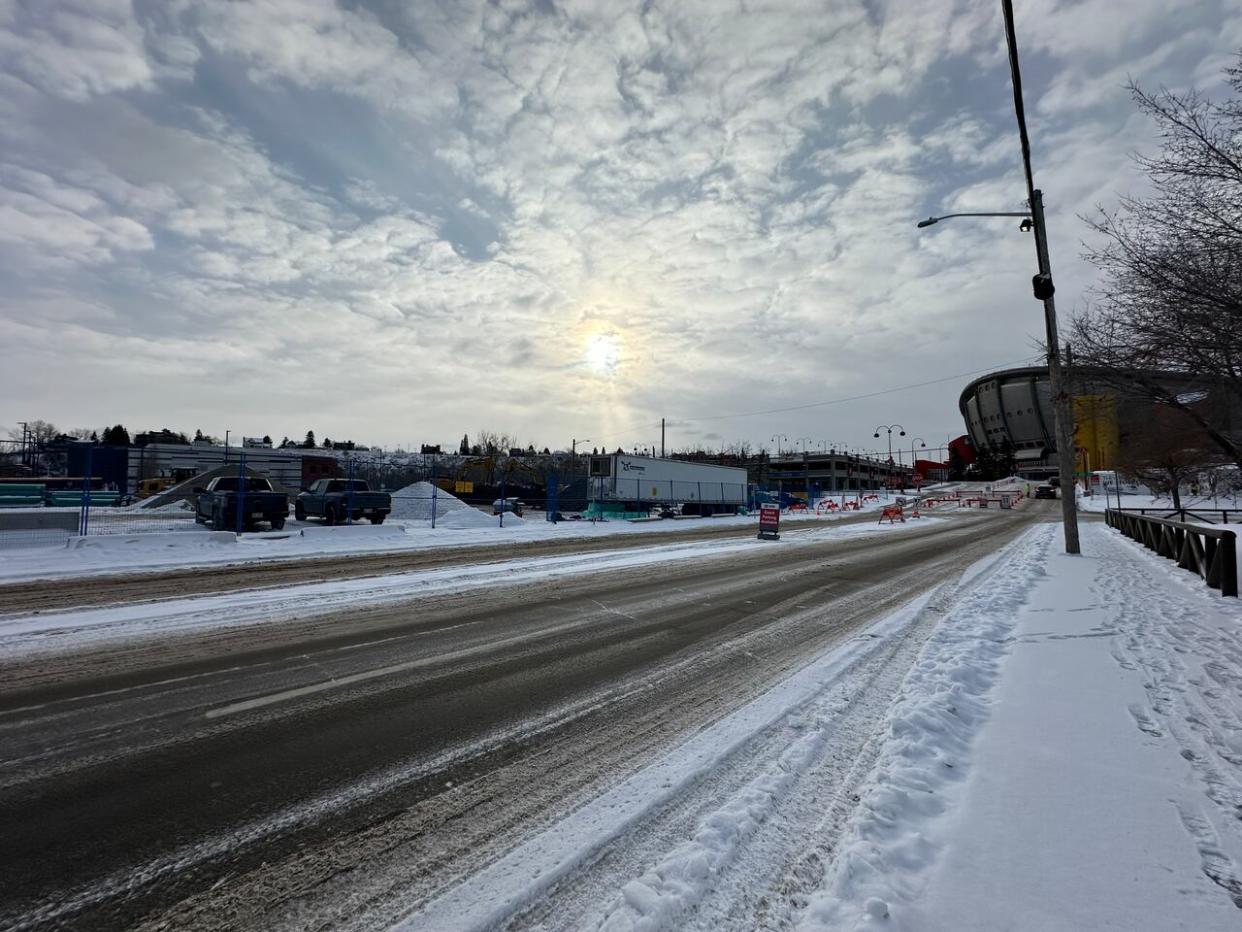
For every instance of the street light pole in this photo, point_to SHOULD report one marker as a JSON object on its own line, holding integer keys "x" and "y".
{"x": 890, "y": 428}
{"x": 1063, "y": 415}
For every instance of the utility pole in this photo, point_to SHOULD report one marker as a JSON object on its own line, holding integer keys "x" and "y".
{"x": 661, "y": 438}
{"x": 1063, "y": 415}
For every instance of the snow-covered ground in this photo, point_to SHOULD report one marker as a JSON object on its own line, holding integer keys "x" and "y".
{"x": 192, "y": 545}
{"x": 1065, "y": 753}
{"x": 23, "y": 635}
{"x": 1099, "y": 502}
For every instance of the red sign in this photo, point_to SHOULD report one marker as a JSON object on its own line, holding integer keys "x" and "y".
{"x": 769, "y": 521}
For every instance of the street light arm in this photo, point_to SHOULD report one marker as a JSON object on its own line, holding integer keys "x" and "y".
{"x": 933, "y": 220}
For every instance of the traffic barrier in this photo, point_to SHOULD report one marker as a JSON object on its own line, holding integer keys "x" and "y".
{"x": 894, "y": 514}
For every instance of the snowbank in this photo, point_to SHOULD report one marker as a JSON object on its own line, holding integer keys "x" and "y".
{"x": 353, "y": 530}
{"x": 414, "y": 502}
{"x": 149, "y": 541}
{"x": 1065, "y": 755}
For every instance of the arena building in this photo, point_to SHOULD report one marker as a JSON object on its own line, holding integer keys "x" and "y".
{"x": 1010, "y": 413}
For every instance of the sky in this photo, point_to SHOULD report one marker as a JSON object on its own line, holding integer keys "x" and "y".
{"x": 397, "y": 222}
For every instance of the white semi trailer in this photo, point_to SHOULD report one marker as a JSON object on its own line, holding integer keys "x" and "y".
{"x": 640, "y": 482}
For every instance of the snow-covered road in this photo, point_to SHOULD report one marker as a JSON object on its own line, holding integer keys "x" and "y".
{"x": 346, "y": 768}
{"x": 950, "y": 726}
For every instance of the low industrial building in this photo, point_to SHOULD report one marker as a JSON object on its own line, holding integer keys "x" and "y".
{"x": 807, "y": 475}
{"x": 122, "y": 468}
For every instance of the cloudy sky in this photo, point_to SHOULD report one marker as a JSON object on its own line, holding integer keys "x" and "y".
{"x": 399, "y": 221}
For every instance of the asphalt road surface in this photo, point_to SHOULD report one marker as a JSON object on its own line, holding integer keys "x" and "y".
{"x": 342, "y": 770}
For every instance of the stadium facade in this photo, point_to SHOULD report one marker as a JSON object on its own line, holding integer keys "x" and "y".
{"x": 1010, "y": 413}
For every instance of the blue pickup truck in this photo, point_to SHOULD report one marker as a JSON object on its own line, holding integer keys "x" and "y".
{"x": 340, "y": 500}
{"x": 218, "y": 503}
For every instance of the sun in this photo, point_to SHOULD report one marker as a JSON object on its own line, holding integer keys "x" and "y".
{"x": 603, "y": 353}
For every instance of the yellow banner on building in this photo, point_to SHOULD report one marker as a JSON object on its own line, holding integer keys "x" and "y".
{"x": 1096, "y": 432}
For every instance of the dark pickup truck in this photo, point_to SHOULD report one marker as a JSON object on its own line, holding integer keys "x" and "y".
{"x": 217, "y": 504}
{"x": 339, "y": 500}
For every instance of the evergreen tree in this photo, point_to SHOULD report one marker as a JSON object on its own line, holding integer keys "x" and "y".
{"x": 957, "y": 466}
{"x": 116, "y": 436}
{"x": 464, "y": 448}
{"x": 309, "y": 443}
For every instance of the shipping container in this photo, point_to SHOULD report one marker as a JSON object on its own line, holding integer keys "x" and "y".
{"x": 644, "y": 481}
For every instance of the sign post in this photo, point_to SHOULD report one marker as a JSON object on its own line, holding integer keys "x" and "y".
{"x": 769, "y": 522}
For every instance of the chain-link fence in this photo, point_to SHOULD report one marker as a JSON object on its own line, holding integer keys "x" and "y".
{"x": 433, "y": 490}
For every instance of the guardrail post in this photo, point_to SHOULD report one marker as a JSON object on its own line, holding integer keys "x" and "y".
{"x": 1227, "y": 553}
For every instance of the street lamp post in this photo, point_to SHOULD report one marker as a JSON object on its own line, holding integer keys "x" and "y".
{"x": 890, "y": 428}
{"x": 1063, "y": 416}
{"x": 226, "y": 446}
{"x": 573, "y": 451}
{"x": 778, "y": 439}
{"x": 914, "y": 456}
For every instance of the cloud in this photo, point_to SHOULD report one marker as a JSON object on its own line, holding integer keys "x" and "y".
{"x": 382, "y": 217}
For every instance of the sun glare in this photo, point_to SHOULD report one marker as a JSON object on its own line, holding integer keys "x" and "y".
{"x": 603, "y": 353}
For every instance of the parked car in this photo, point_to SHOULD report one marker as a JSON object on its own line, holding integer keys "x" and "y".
{"x": 1045, "y": 491}
{"x": 510, "y": 504}
{"x": 339, "y": 500}
{"x": 217, "y": 504}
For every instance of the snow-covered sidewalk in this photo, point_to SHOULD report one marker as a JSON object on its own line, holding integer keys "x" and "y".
{"x": 1066, "y": 755}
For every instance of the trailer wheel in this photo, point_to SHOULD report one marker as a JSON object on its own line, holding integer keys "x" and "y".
{"x": 377, "y": 519}
{"x": 299, "y": 511}
{"x": 278, "y": 523}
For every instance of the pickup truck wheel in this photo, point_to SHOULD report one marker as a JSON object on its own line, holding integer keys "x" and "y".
{"x": 329, "y": 514}
{"x": 278, "y": 523}
{"x": 299, "y": 511}
{"x": 377, "y": 519}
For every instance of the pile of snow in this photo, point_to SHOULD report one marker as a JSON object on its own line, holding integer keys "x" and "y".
{"x": 472, "y": 517}
{"x": 413, "y": 503}
{"x": 151, "y": 541}
{"x": 179, "y": 507}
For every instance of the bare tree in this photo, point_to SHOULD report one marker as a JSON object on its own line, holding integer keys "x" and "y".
{"x": 1165, "y": 451}
{"x": 1171, "y": 299}
{"x": 41, "y": 432}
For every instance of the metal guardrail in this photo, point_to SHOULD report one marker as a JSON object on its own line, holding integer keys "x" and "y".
{"x": 1221, "y": 515}
{"x": 1209, "y": 551}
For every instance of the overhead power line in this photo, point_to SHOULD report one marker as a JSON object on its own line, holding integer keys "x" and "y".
{"x": 1028, "y": 360}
